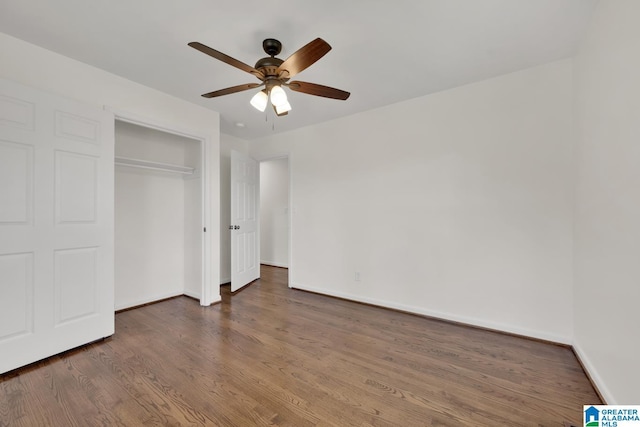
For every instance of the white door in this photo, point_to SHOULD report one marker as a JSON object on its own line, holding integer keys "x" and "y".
{"x": 245, "y": 244}
{"x": 56, "y": 225}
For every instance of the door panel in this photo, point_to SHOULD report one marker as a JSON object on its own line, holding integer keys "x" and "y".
{"x": 56, "y": 225}
{"x": 71, "y": 126}
{"x": 16, "y": 271}
{"x": 75, "y": 286}
{"x": 245, "y": 255}
{"x": 16, "y": 166}
{"x": 17, "y": 113}
{"x": 76, "y": 188}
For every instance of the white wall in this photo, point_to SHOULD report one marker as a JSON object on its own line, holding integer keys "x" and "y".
{"x": 227, "y": 143}
{"x": 45, "y": 70}
{"x": 274, "y": 212}
{"x": 607, "y": 212}
{"x": 457, "y": 204}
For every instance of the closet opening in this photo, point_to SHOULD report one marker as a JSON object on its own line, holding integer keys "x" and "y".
{"x": 160, "y": 248}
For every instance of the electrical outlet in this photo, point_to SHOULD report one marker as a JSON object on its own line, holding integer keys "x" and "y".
{"x": 357, "y": 276}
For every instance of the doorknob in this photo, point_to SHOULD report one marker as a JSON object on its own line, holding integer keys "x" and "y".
{"x": 231, "y": 227}
{"x": 237, "y": 227}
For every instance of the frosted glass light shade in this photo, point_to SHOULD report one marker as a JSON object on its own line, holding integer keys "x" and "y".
{"x": 259, "y": 100}
{"x": 278, "y": 96}
{"x": 283, "y": 108}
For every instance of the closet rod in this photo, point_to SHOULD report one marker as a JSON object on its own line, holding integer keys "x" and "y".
{"x": 146, "y": 164}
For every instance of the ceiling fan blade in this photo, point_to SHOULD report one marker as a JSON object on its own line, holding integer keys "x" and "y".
{"x": 231, "y": 90}
{"x": 226, "y": 59}
{"x": 318, "y": 90}
{"x": 303, "y": 58}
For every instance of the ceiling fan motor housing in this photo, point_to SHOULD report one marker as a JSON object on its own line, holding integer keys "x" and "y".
{"x": 268, "y": 61}
{"x": 270, "y": 64}
{"x": 272, "y": 46}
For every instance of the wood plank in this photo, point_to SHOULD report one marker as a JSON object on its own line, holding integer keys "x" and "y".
{"x": 270, "y": 355}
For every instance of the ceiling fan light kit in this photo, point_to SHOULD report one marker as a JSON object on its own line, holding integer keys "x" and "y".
{"x": 274, "y": 73}
{"x": 278, "y": 96}
{"x": 283, "y": 108}
{"x": 260, "y": 100}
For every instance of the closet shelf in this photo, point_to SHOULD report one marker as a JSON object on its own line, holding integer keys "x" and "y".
{"x": 146, "y": 164}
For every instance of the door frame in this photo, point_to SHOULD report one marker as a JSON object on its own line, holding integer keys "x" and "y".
{"x": 207, "y": 294}
{"x": 291, "y": 208}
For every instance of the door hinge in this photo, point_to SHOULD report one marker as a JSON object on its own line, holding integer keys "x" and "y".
{"x": 205, "y": 229}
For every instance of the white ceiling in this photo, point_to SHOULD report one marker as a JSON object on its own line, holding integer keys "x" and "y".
{"x": 383, "y": 51}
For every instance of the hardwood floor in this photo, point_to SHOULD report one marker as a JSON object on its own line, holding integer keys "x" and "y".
{"x": 269, "y": 355}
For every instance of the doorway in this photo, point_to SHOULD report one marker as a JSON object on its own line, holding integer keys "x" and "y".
{"x": 275, "y": 212}
{"x": 227, "y": 146}
{"x": 160, "y": 201}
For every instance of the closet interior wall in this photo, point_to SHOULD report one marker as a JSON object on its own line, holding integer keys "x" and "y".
{"x": 158, "y": 215}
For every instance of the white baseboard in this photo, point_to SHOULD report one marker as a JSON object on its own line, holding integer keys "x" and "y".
{"x": 596, "y": 379}
{"x": 147, "y": 300}
{"x": 214, "y": 300}
{"x": 560, "y": 339}
{"x": 193, "y": 295}
{"x": 124, "y": 306}
{"x": 225, "y": 280}
{"x": 274, "y": 264}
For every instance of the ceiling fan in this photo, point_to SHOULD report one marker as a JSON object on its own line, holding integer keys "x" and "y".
{"x": 274, "y": 73}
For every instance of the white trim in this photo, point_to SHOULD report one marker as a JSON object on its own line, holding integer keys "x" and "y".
{"x": 158, "y": 299}
{"x": 196, "y": 296}
{"x": 208, "y": 295}
{"x": 560, "y": 339}
{"x": 147, "y": 300}
{"x": 291, "y": 214}
{"x": 210, "y": 292}
{"x": 191, "y": 294}
{"x": 275, "y": 157}
{"x": 594, "y": 376}
{"x": 225, "y": 280}
{"x": 135, "y": 119}
{"x": 274, "y": 264}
